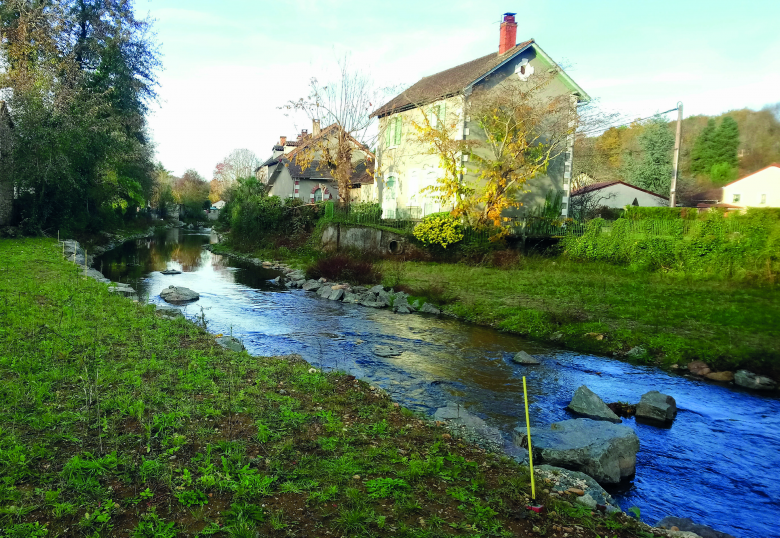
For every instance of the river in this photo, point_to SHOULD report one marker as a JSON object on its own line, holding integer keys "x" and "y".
{"x": 717, "y": 464}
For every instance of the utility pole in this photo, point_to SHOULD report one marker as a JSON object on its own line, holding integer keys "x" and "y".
{"x": 676, "y": 163}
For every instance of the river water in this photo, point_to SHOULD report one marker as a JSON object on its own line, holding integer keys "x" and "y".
{"x": 718, "y": 464}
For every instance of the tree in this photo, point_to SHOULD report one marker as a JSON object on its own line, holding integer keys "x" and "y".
{"x": 240, "y": 164}
{"x": 162, "y": 191}
{"x": 703, "y": 152}
{"x": 727, "y": 143}
{"x": 192, "y": 191}
{"x": 79, "y": 78}
{"x": 342, "y": 108}
{"x": 521, "y": 128}
{"x": 585, "y": 205}
{"x": 653, "y": 171}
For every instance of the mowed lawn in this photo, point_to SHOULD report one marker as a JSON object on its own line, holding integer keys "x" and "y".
{"x": 728, "y": 324}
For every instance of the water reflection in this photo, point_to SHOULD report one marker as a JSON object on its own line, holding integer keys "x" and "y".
{"x": 714, "y": 458}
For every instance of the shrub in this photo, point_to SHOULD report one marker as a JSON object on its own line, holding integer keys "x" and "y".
{"x": 441, "y": 229}
{"x": 344, "y": 267}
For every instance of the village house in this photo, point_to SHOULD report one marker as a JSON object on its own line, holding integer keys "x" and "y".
{"x": 288, "y": 176}
{"x": 403, "y": 170}
{"x": 759, "y": 189}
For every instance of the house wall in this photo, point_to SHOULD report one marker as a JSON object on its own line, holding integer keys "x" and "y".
{"x": 618, "y": 196}
{"x": 307, "y": 187}
{"x": 283, "y": 186}
{"x": 751, "y": 188}
{"x": 413, "y": 168}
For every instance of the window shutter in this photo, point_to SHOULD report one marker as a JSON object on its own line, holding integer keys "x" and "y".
{"x": 398, "y": 124}
{"x": 388, "y": 126}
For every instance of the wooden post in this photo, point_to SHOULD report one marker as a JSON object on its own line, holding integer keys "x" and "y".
{"x": 675, "y": 165}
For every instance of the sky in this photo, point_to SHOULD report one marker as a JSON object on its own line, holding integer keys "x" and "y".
{"x": 229, "y": 65}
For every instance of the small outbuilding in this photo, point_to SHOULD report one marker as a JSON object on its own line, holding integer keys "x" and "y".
{"x": 612, "y": 194}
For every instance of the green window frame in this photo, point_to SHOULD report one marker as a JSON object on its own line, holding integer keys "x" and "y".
{"x": 393, "y": 131}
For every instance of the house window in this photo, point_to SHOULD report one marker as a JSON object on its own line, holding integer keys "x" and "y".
{"x": 736, "y": 198}
{"x": 318, "y": 195}
{"x": 393, "y": 131}
{"x": 436, "y": 115}
{"x": 390, "y": 188}
{"x": 763, "y": 199}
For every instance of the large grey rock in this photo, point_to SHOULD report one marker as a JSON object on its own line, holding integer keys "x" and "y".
{"x": 521, "y": 357}
{"x": 749, "y": 380}
{"x": 312, "y": 285}
{"x": 457, "y": 414}
{"x": 230, "y": 342}
{"x": 562, "y": 479}
{"x": 351, "y": 298}
{"x": 336, "y": 295}
{"x": 686, "y": 525}
{"x": 122, "y": 289}
{"x": 168, "y": 312}
{"x": 377, "y": 289}
{"x": 324, "y": 292}
{"x": 656, "y": 407}
{"x": 401, "y": 305}
{"x": 179, "y": 294}
{"x": 428, "y": 308}
{"x": 605, "y": 451}
{"x": 367, "y": 301}
{"x": 588, "y": 404}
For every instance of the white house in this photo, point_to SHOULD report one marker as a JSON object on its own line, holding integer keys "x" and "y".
{"x": 612, "y": 194}
{"x": 404, "y": 169}
{"x": 759, "y": 189}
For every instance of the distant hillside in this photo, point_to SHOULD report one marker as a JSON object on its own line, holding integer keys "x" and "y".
{"x": 623, "y": 152}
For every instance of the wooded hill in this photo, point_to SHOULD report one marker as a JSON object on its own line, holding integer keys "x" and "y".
{"x": 715, "y": 150}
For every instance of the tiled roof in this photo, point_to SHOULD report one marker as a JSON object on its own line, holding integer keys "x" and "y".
{"x": 602, "y": 184}
{"x": 449, "y": 82}
{"x": 317, "y": 171}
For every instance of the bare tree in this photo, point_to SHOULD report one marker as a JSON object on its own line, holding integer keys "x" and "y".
{"x": 241, "y": 163}
{"x": 586, "y": 204}
{"x": 342, "y": 109}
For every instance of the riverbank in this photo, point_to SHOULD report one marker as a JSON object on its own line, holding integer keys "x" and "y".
{"x": 602, "y": 308}
{"x": 596, "y": 307}
{"x": 118, "y": 420}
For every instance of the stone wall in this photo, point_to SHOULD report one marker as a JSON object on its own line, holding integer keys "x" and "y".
{"x": 338, "y": 236}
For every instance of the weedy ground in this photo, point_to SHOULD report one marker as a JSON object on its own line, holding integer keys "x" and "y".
{"x": 115, "y": 422}
{"x": 603, "y": 308}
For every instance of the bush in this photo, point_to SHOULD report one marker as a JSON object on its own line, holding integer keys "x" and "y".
{"x": 343, "y": 267}
{"x": 439, "y": 229}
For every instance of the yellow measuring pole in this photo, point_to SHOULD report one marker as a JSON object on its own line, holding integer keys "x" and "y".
{"x": 530, "y": 452}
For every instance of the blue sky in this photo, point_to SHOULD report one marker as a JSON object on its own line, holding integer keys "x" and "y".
{"x": 230, "y": 64}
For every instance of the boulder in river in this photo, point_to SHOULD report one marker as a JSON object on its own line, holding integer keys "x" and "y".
{"x": 168, "y": 312}
{"x": 350, "y": 297}
{"x": 684, "y": 524}
{"x": 312, "y": 285}
{"x": 656, "y": 407}
{"x": 179, "y": 294}
{"x": 724, "y": 376}
{"x": 377, "y": 289}
{"x": 521, "y": 357}
{"x": 588, "y": 404}
{"x": 605, "y": 451}
{"x": 336, "y": 295}
{"x": 698, "y": 368}
{"x": 231, "y": 342}
{"x": 428, "y": 308}
{"x": 749, "y": 380}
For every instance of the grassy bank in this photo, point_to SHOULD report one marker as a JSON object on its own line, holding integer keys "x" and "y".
{"x": 727, "y": 324}
{"x": 115, "y": 422}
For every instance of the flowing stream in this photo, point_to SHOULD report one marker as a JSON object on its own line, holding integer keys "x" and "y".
{"x": 717, "y": 464}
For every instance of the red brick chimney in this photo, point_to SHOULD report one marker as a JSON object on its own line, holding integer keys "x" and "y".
{"x": 282, "y": 140}
{"x": 508, "y": 34}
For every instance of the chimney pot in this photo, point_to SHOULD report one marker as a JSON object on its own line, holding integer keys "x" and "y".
{"x": 282, "y": 140}
{"x": 507, "y": 33}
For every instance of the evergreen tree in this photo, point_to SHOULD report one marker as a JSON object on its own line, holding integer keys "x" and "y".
{"x": 703, "y": 154}
{"x": 726, "y": 143}
{"x": 653, "y": 171}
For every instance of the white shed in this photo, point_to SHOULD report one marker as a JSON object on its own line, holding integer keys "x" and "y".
{"x": 615, "y": 194}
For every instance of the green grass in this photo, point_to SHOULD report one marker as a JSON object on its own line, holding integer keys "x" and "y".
{"x": 727, "y": 324}
{"x": 115, "y": 422}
